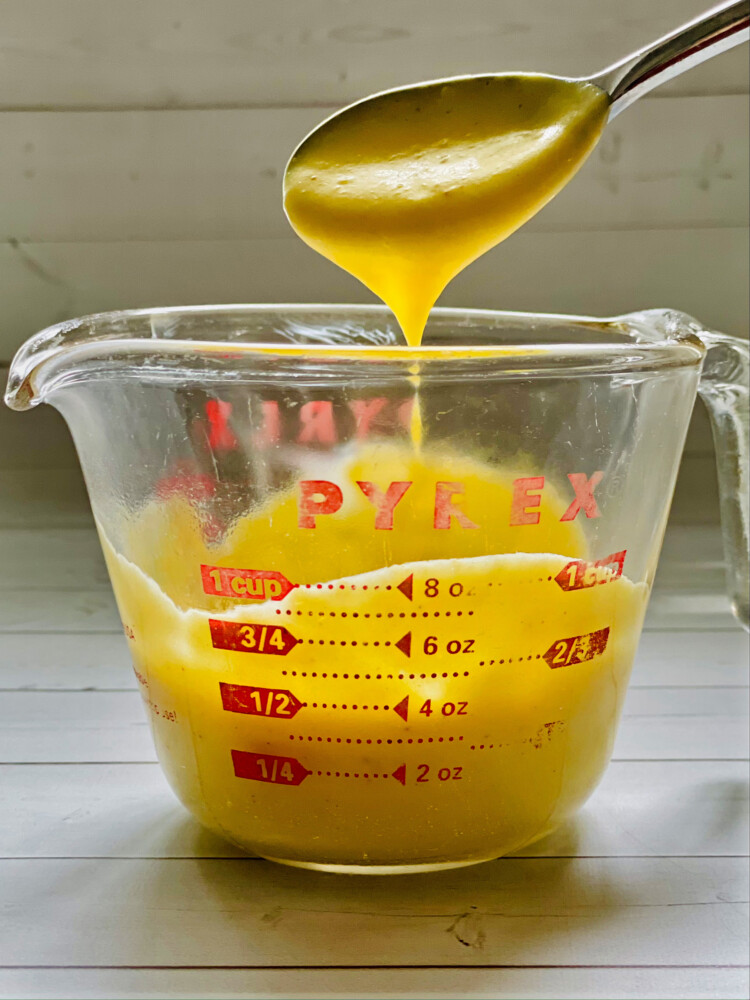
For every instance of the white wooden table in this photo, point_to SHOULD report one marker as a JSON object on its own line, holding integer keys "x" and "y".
{"x": 109, "y": 889}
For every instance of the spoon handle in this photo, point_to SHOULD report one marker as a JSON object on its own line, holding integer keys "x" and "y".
{"x": 715, "y": 31}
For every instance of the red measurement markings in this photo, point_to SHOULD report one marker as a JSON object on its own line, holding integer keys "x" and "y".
{"x": 579, "y": 574}
{"x": 269, "y": 702}
{"x": 289, "y": 771}
{"x": 544, "y": 732}
{"x": 424, "y": 772}
{"x": 270, "y": 585}
{"x": 369, "y": 741}
{"x": 379, "y": 677}
{"x": 245, "y": 637}
{"x": 576, "y": 649}
{"x": 247, "y": 584}
{"x": 269, "y": 768}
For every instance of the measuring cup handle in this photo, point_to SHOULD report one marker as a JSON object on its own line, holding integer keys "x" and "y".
{"x": 724, "y": 390}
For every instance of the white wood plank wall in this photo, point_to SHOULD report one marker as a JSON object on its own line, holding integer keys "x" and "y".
{"x": 143, "y": 146}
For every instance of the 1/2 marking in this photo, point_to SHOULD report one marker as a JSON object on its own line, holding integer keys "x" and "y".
{"x": 268, "y": 702}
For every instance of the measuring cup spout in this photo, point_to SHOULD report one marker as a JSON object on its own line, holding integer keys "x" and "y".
{"x": 724, "y": 390}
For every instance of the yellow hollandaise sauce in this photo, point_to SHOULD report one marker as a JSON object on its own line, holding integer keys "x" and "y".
{"x": 417, "y": 694}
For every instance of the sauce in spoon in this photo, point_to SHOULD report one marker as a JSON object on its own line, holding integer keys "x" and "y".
{"x": 406, "y": 189}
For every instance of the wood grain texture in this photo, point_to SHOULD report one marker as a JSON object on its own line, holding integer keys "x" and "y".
{"x": 535, "y": 911}
{"x": 641, "y": 809}
{"x": 178, "y": 53}
{"x": 664, "y": 723}
{"x": 700, "y": 271}
{"x": 100, "y": 661}
{"x": 93, "y": 610}
{"x": 215, "y": 175}
{"x": 652, "y": 983}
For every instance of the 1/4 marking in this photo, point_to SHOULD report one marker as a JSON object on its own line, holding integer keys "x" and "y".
{"x": 269, "y": 768}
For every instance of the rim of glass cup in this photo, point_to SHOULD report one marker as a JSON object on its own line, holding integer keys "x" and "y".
{"x": 652, "y": 340}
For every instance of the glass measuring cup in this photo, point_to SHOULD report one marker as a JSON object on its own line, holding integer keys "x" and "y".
{"x": 383, "y": 602}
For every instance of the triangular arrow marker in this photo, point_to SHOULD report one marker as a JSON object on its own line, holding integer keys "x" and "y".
{"x": 402, "y": 708}
{"x": 406, "y": 586}
{"x": 404, "y": 644}
{"x": 400, "y": 774}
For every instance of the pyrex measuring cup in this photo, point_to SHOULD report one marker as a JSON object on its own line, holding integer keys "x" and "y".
{"x": 382, "y": 601}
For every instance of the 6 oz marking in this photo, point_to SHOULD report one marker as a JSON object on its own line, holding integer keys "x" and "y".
{"x": 452, "y": 647}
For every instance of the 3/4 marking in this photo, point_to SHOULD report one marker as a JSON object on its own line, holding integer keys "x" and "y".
{"x": 276, "y": 640}
{"x": 246, "y": 637}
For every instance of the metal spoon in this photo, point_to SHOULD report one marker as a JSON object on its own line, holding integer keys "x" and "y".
{"x": 714, "y": 32}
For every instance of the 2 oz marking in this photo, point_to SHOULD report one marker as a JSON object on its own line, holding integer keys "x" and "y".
{"x": 443, "y": 773}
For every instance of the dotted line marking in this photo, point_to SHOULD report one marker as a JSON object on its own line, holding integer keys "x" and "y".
{"x": 510, "y": 659}
{"x": 348, "y": 774}
{"x": 536, "y": 741}
{"x": 342, "y": 642}
{"x": 540, "y": 579}
{"x": 385, "y": 742}
{"x": 372, "y": 677}
{"x": 339, "y": 586}
{"x": 379, "y": 614}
